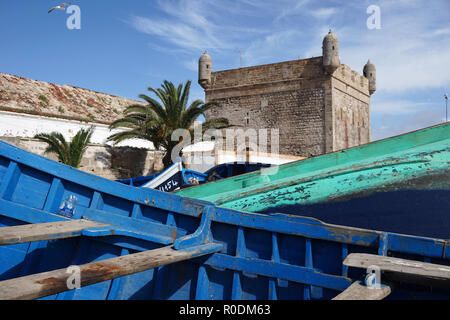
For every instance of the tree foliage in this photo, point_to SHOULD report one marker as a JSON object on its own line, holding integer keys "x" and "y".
{"x": 162, "y": 115}
{"x": 69, "y": 153}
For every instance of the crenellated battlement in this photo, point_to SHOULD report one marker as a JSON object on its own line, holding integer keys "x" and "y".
{"x": 352, "y": 78}
{"x": 268, "y": 73}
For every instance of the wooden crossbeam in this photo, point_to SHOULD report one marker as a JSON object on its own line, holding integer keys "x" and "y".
{"x": 45, "y": 231}
{"x": 403, "y": 266}
{"x": 53, "y": 282}
{"x": 357, "y": 291}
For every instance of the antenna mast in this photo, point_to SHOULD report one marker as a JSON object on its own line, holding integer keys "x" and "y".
{"x": 240, "y": 57}
{"x": 446, "y": 107}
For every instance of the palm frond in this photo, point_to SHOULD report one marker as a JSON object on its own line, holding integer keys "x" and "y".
{"x": 78, "y": 146}
{"x": 162, "y": 115}
{"x": 155, "y": 106}
{"x": 68, "y": 153}
{"x": 55, "y": 144}
{"x": 125, "y": 135}
{"x": 185, "y": 95}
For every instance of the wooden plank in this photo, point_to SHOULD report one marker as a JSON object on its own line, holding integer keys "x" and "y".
{"x": 53, "y": 282}
{"x": 357, "y": 291}
{"x": 270, "y": 269}
{"x": 45, "y": 231}
{"x": 390, "y": 264}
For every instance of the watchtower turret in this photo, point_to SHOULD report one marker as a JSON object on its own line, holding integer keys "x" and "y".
{"x": 370, "y": 72}
{"x": 330, "y": 52}
{"x": 204, "y": 70}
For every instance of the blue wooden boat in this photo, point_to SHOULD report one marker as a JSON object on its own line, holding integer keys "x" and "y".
{"x": 232, "y": 169}
{"x": 399, "y": 184}
{"x": 173, "y": 178}
{"x": 136, "y": 243}
{"x": 177, "y": 177}
{"x": 137, "y": 181}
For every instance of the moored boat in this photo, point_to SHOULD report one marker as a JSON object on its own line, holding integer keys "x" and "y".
{"x": 399, "y": 184}
{"x": 177, "y": 177}
{"x": 173, "y": 178}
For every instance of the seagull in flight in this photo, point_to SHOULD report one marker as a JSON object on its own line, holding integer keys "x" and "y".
{"x": 60, "y": 7}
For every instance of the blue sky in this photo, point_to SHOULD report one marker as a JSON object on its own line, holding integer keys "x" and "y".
{"x": 123, "y": 47}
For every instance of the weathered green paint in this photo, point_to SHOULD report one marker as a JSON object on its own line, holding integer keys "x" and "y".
{"x": 420, "y": 159}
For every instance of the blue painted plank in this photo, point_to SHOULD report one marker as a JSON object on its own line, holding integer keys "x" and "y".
{"x": 54, "y": 196}
{"x": 45, "y": 231}
{"x": 9, "y": 181}
{"x": 201, "y": 291}
{"x": 27, "y": 214}
{"x": 279, "y": 270}
{"x": 159, "y": 233}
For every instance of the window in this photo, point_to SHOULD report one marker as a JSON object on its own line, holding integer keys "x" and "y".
{"x": 247, "y": 119}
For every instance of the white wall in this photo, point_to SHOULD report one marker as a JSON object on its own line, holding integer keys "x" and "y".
{"x": 27, "y": 126}
{"x": 202, "y": 156}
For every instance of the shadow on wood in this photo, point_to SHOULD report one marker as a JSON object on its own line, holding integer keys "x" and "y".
{"x": 357, "y": 291}
{"x": 48, "y": 283}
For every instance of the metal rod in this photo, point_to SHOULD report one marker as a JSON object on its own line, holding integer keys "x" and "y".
{"x": 446, "y": 107}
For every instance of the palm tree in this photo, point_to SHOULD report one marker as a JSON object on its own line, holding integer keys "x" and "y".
{"x": 68, "y": 153}
{"x": 157, "y": 120}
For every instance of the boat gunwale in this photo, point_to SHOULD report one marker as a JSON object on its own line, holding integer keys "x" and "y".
{"x": 145, "y": 196}
{"x": 337, "y": 157}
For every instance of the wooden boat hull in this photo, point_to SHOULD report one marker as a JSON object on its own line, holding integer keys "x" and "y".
{"x": 401, "y": 184}
{"x": 173, "y": 178}
{"x": 137, "y": 243}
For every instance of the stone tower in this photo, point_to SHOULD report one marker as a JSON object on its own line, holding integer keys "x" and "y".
{"x": 204, "y": 70}
{"x": 319, "y": 105}
{"x": 330, "y": 52}
{"x": 370, "y": 73}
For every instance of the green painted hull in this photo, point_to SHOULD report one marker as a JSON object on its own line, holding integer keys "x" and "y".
{"x": 418, "y": 160}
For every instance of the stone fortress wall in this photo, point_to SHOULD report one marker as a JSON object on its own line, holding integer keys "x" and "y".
{"x": 318, "y": 105}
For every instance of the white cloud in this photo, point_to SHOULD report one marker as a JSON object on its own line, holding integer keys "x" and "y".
{"x": 402, "y": 64}
{"x": 390, "y": 125}
{"x": 291, "y": 10}
{"x": 398, "y": 107}
{"x": 191, "y": 65}
{"x": 323, "y": 13}
{"x": 179, "y": 34}
{"x": 267, "y": 49}
{"x": 440, "y": 32}
{"x": 409, "y": 52}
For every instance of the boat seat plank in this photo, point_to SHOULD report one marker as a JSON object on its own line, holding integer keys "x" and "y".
{"x": 357, "y": 291}
{"x": 52, "y": 282}
{"x": 391, "y": 264}
{"x": 45, "y": 231}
